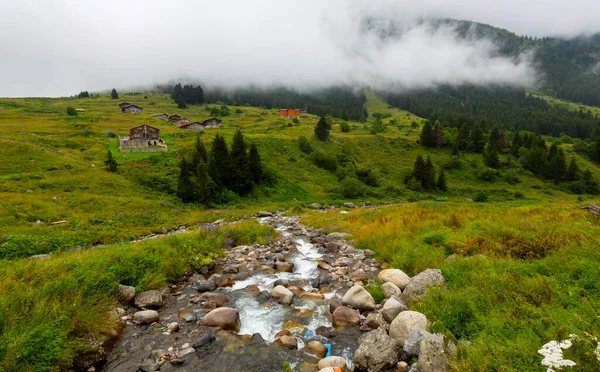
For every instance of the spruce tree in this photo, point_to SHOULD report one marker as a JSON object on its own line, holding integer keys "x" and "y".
{"x": 441, "y": 181}
{"x": 428, "y": 179}
{"x": 202, "y": 185}
{"x": 110, "y": 162}
{"x": 438, "y": 135}
{"x": 557, "y": 166}
{"x": 491, "y": 157}
{"x": 114, "y": 94}
{"x": 596, "y": 150}
{"x": 199, "y": 153}
{"x": 590, "y": 183}
{"x": 219, "y": 162}
{"x": 573, "y": 173}
{"x": 494, "y": 140}
{"x": 477, "y": 143}
{"x": 185, "y": 189}
{"x": 322, "y": 129}
{"x": 240, "y": 177}
{"x": 256, "y": 170}
{"x": 463, "y": 137}
{"x": 428, "y": 135}
{"x": 418, "y": 168}
{"x": 178, "y": 97}
{"x": 516, "y": 144}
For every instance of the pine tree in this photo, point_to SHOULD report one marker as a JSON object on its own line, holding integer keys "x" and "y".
{"x": 256, "y": 170}
{"x": 496, "y": 139}
{"x": 418, "y": 168}
{"x": 441, "y": 181}
{"x": 438, "y": 135}
{"x": 590, "y": 183}
{"x": 477, "y": 143}
{"x": 463, "y": 137}
{"x": 557, "y": 166}
{"x": 428, "y": 180}
{"x": 428, "y": 135}
{"x": 240, "y": 180}
{"x": 596, "y": 150}
{"x": 185, "y": 189}
{"x": 199, "y": 153}
{"x": 322, "y": 129}
{"x": 516, "y": 144}
{"x": 110, "y": 162}
{"x": 114, "y": 94}
{"x": 202, "y": 185}
{"x": 178, "y": 97}
{"x": 491, "y": 157}
{"x": 219, "y": 162}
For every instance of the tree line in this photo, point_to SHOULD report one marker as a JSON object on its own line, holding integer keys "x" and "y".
{"x": 206, "y": 176}
{"x": 187, "y": 94}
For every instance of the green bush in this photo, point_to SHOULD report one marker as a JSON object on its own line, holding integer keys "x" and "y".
{"x": 352, "y": 188}
{"x": 345, "y": 127}
{"x": 324, "y": 160}
{"x": 374, "y": 288}
{"x": 304, "y": 145}
{"x": 71, "y": 111}
{"x": 481, "y": 197}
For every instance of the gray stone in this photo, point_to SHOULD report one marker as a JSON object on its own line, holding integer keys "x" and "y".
{"x": 396, "y": 276}
{"x": 337, "y": 236}
{"x": 350, "y": 205}
{"x": 359, "y": 298}
{"x": 404, "y": 323}
{"x": 418, "y": 285}
{"x": 204, "y": 285}
{"x": 332, "y": 361}
{"x": 343, "y": 316}
{"x": 284, "y": 295}
{"x": 125, "y": 294}
{"x": 264, "y": 214}
{"x": 314, "y": 206}
{"x": 391, "y": 308}
{"x": 434, "y": 354}
{"x": 223, "y": 317}
{"x": 148, "y": 300}
{"x": 377, "y": 352}
{"x": 391, "y": 290}
{"x": 412, "y": 345}
{"x": 145, "y": 317}
{"x": 374, "y": 320}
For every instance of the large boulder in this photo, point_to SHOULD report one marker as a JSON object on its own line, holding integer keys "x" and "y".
{"x": 374, "y": 320}
{"x": 396, "y": 276}
{"x": 214, "y": 299}
{"x": 359, "y": 298}
{"x": 390, "y": 290}
{"x": 343, "y": 316}
{"x": 412, "y": 345}
{"x": 288, "y": 342}
{"x": 224, "y": 318}
{"x": 391, "y": 308}
{"x": 284, "y": 295}
{"x": 338, "y": 236}
{"x": 204, "y": 285}
{"x": 332, "y": 361}
{"x": 434, "y": 354}
{"x": 148, "y": 300}
{"x": 419, "y": 283}
{"x": 125, "y": 294}
{"x": 350, "y": 205}
{"x": 404, "y": 323}
{"x": 145, "y": 317}
{"x": 377, "y": 352}
{"x": 284, "y": 267}
{"x": 313, "y": 206}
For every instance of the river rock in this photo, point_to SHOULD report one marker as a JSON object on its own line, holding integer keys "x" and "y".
{"x": 332, "y": 361}
{"x": 284, "y": 295}
{"x": 216, "y": 299}
{"x": 223, "y": 317}
{"x": 284, "y": 267}
{"x": 283, "y": 282}
{"x": 204, "y": 285}
{"x": 264, "y": 214}
{"x": 418, "y": 285}
{"x": 402, "y": 366}
{"x": 252, "y": 289}
{"x": 148, "y": 300}
{"x": 358, "y": 276}
{"x": 404, "y": 323}
{"x": 334, "y": 303}
{"x": 186, "y": 315}
{"x": 125, "y": 294}
{"x": 289, "y": 342}
{"x": 396, "y": 276}
{"x": 318, "y": 348}
{"x": 145, "y": 317}
{"x": 412, "y": 345}
{"x": 337, "y": 236}
{"x": 343, "y": 316}
{"x": 315, "y": 296}
{"x": 390, "y": 290}
{"x": 173, "y": 327}
{"x": 374, "y": 320}
{"x": 314, "y": 206}
{"x": 350, "y": 205}
{"x": 359, "y": 298}
{"x": 433, "y": 355}
{"x": 377, "y": 352}
{"x": 323, "y": 266}
{"x": 331, "y": 369}
{"x": 391, "y": 308}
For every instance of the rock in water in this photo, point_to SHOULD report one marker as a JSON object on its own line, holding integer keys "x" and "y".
{"x": 433, "y": 356}
{"x": 318, "y": 348}
{"x": 332, "y": 361}
{"x": 283, "y": 294}
{"x": 125, "y": 294}
{"x": 145, "y": 317}
{"x": 391, "y": 308}
{"x": 289, "y": 342}
{"x": 419, "y": 283}
{"x": 216, "y": 299}
{"x": 148, "y": 300}
{"x": 204, "y": 285}
{"x": 377, "y": 352}
{"x": 390, "y": 290}
{"x": 404, "y": 323}
{"x": 264, "y": 214}
{"x": 343, "y": 316}
{"x": 359, "y": 298}
{"x": 224, "y": 318}
{"x": 396, "y": 276}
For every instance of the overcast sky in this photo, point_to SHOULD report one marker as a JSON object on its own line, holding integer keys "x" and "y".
{"x": 60, "y": 47}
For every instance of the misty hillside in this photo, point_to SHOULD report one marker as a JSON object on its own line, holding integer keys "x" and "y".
{"x": 568, "y": 68}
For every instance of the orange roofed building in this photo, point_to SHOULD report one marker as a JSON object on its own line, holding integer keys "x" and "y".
{"x": 289, "y": 113}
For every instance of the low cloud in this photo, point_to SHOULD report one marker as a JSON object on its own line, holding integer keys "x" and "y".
{"x": 67, "y": 46}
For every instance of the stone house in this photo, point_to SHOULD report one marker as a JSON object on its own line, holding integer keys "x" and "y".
{"x": 161, "y": 116}
{"x": 131, "y": 109}
{"x": 142, "y": 138}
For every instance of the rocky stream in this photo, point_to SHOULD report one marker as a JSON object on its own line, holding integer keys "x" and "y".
{"x": 298, "y": 304}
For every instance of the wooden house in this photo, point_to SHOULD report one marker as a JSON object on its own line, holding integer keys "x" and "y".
{"x": 212, "y": 123}
{"x": 195, "y": 126}
{"x": 143, "y": 138}
{"x": 161, "y": 116}
{"x": 131, "y": 109}
{"x": 174, "y": 118}
{"x": 181, "y": 123}
{"x": 289, "y": 113}
{"x": 123, "y": 104}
